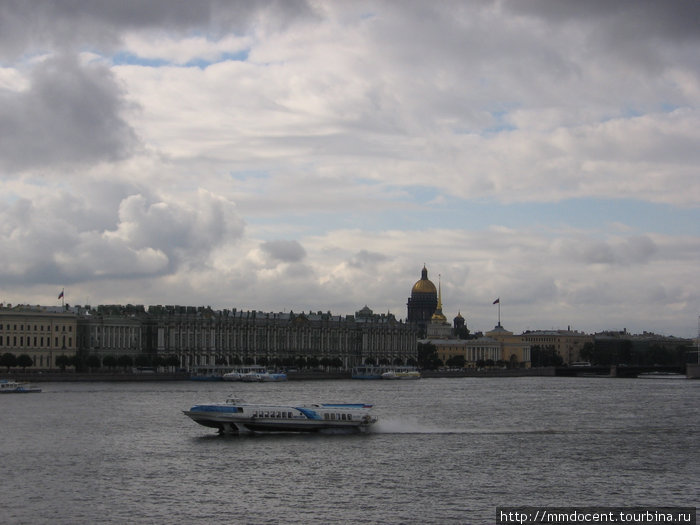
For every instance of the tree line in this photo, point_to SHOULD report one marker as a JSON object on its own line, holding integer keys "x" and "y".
{"x": 91, "y": 362}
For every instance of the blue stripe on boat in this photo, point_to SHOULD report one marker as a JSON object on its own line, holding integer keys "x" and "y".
{"x": 308, "y": 413}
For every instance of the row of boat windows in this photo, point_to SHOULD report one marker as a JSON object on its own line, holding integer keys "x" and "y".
{"x": 338, "y": 417}
{"x": 288, "y": 415}
{"x": 272, "y": 413}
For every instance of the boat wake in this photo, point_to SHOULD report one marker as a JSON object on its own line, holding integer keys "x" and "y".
{"x": 396, "y": 426}
{"x": 404, "y": 426}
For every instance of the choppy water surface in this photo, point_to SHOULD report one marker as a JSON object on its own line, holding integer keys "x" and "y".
{"x": 444, "y": 451}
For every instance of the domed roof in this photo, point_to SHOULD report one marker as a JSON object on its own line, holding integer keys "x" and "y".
{"x": 425, "y": 285}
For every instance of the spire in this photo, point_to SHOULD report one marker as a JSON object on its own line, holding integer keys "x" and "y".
{"x": 438, "y": 316}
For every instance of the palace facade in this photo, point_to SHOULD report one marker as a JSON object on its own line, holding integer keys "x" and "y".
{"x": 41, "y": 333}
{"x": 203, "y": 337}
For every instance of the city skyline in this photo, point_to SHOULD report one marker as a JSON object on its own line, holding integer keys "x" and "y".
{"x": 313, "y": 155}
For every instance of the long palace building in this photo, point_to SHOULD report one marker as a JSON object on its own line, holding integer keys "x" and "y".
{"x": 201, "y": 336}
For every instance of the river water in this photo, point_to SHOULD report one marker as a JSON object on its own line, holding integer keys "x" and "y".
{"x": 444, "y": 451}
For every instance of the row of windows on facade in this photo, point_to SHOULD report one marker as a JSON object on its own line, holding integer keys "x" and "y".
{"x": 12, "y": 341}
{"x": 37, "y": 328}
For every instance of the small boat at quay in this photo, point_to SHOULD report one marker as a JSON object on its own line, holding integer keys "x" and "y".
{"x": 253, "y": 374}
{"x": 236, "y": 416}
{"x": 8, "y": 386}
{"x": 385, "y": 372}
{"x": 661, "y": 375}
{"x": 401, "y": 373}
{"x": 367, "y": 372}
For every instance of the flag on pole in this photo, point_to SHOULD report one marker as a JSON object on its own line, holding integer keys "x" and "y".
{"x": 60, "y": 296}
{"x": 497, "y": 301}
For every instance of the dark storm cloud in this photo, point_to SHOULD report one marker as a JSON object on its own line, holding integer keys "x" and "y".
{"x": 637, "y": 19}
{"x": 285, "y": 251}
{"x": 71, "y": 113}
{"x": 27, "y": 26}
{"x": 366, "y": 257}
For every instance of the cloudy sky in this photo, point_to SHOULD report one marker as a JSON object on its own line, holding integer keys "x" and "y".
{"x": 290, "y": 155}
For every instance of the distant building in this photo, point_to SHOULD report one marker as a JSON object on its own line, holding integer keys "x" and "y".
{"x": 203, "y": 337}
{"x": 39, "y": 332}
{"x": 482, "y": 349}
{"x": 567, "y": 343}
{"x": 113, "y": 330}
{"x": 514, "y": 349}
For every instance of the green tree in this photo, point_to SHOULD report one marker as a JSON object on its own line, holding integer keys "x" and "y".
{"x": 545, "y": 356}
{"x": 587, "y": 352}
{"x": 143, "y": 360}
{"x": 109, "y": 361}
{"x": 427, "y": 357}
{"x": 457, "y": 361}
{"x": 513, "y": 361}
{"x": 63, "y": 361}
{"x": 9, "y": 360}
{"x": 23, "y": 360}
{"x": 462, "y": 332}
{"x": 125, "y": 361}
{"x": 92, "y": 361}
{"x": 606, "y": 352}
{"x": 658, "y": 355}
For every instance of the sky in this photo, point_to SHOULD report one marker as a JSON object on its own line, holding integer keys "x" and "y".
{"x": 292, "y": 155}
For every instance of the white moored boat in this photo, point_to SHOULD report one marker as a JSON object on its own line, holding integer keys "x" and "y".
{"x": 8, "y": 386}
{"x": 253, "y": 374}
{"x": 237, "y": 416}
{"x": 401, "y": 373}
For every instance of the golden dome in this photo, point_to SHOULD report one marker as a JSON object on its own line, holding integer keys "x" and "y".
{"x": 425, "y": 285}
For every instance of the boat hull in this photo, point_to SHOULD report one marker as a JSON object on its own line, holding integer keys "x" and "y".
{"x": 245, "y": 418}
